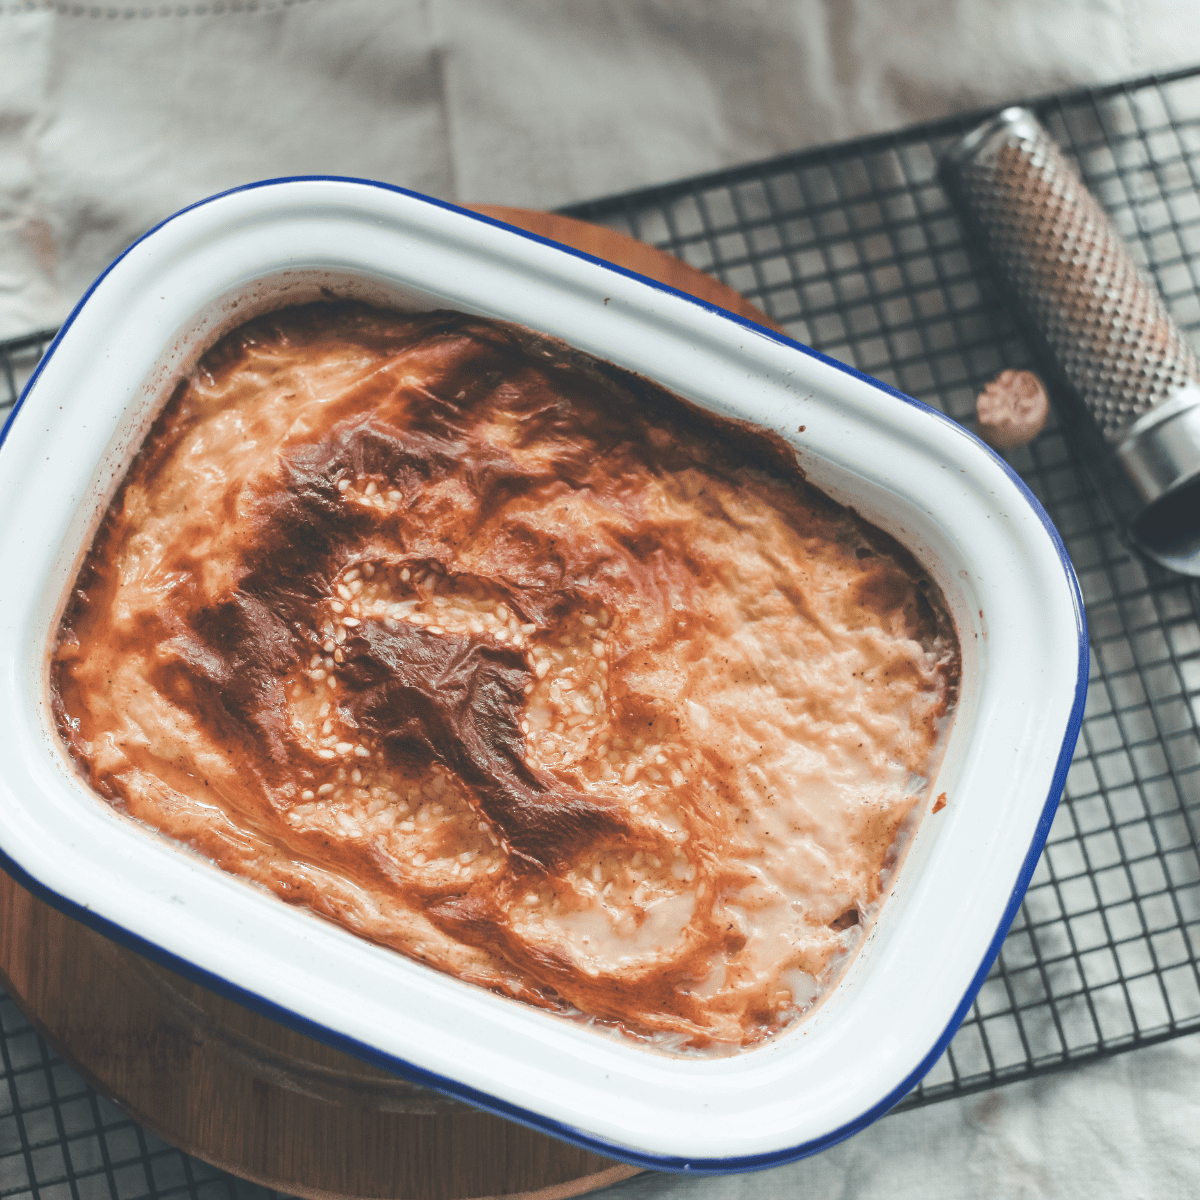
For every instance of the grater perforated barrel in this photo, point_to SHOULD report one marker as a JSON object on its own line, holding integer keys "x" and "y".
{"x": 1104, "y": 326}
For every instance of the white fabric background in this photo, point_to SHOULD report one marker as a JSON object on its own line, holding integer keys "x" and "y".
{"x": 112, "y": 116}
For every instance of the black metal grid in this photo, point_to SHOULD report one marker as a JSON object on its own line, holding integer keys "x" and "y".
{"x": 18, "y": 358}
{"x": 855, "y": 250}
{"x": 59, "y": 1140}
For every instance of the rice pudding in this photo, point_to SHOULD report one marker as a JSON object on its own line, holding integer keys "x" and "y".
{"x": 510, "y": 660}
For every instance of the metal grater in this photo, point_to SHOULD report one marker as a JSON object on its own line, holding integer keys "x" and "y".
{"x": 1104, "y": 327}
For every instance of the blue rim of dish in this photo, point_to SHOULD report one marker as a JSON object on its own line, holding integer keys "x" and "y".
{"x": 501, "y": 1108}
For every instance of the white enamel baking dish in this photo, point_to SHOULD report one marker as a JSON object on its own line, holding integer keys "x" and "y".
{"x": 921, "y": 477}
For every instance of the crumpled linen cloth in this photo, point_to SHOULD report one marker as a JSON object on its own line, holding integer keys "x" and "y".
{"x": 116, "y": 113}
{"x": 113, "y": 115}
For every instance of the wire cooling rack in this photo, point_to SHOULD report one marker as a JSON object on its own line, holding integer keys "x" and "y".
{"x": 855, "y": 250}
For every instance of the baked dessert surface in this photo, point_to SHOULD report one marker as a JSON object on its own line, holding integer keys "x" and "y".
{"x": 508, "y": 659}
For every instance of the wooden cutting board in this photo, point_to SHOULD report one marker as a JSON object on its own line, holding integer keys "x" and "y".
{"x": 251, "y": 1096}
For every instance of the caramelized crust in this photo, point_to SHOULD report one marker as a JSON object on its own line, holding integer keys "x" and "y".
{"x": 508, "y": 659}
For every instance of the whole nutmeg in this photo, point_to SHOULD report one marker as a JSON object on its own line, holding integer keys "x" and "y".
{"x": 1012, "y": 410}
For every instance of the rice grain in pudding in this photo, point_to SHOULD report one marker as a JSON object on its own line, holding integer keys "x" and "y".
{"x": 510, "y": 660}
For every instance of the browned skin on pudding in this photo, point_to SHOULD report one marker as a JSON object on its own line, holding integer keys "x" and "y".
{"x": 510, "y": 660}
